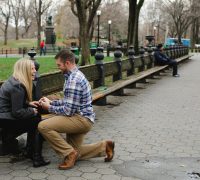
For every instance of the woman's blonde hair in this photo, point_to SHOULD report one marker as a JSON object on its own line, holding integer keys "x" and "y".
{"x": 22, "y": 72}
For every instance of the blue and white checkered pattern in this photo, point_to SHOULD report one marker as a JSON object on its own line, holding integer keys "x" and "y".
{"x": 77, "y": 97}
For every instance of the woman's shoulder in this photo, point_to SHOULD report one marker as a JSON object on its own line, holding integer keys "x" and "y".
{"x": 12, "y": 83}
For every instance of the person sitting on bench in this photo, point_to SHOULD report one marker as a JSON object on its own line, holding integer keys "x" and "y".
{"x": 19, "y": 114}
{"x": 162, "y": 59}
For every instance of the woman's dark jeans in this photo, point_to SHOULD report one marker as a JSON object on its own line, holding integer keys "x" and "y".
{"x": 14, "y": 128}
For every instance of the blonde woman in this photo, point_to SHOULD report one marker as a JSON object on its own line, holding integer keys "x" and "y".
{"x": 19, "y": 114}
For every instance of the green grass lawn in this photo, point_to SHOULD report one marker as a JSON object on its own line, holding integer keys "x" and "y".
{"x": 29, "y": 43}
{"x": 6, "y": 66}
{"x": 47, "y": 64}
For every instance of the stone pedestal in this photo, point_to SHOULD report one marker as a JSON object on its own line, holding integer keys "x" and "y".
{"x": 50, "y": 39}
{"x": 51, "y": 48}
{"x": 49, "y": 31}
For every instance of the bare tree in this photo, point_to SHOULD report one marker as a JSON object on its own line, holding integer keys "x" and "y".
{"x": 179, "y": 11}
{"x": 85, "y": 10}
{"x": 66, "y": 22}
{"x": 172, "y": 17}
{"x": 39, "y": 8}
{"x": 5, "y": 13}
{"x": 118, "y": 14}
{"x": 15, "y": 8}
{"x": 26, "y": 16}
{"x": 154, "y": 20}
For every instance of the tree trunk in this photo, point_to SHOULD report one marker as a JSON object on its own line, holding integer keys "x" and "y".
{"x": 197, "y": 32}
{"x": 38, "y": 38}
{"x": 134, "y": 11}
{"x": 85, "y": 58}
{"x": 84, "y": 41}
{"x": 179, "y": 37}
{"x": 6, "y": 34}
{"x": 131, "y": 21}
{"x": 136, "y": 41}
{"x": 192, "y": 34}
{"x": 16, "y": 32}
{"x": 79, "y": 39}
{"x": 39, "y": 23}
{"x": 92, "y": 31}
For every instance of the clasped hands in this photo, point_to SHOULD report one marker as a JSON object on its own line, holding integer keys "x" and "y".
{"x": 43, "y": 103}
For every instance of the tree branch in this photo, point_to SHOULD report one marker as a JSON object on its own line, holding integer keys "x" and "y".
{"x": 93, "y": 12}
{"x": 73, "y": 8}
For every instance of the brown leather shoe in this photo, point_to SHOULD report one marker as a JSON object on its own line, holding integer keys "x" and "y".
{"x": 69, "y": 161}
{"x": 110, "y": 145}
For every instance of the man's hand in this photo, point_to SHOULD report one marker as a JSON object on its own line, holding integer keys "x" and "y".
{"x": 45, "y": 103}
{"x": 45, "y": 99}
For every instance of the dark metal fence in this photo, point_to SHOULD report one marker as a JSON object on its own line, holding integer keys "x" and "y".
{"x": 53, "y": 82}
{"x": 6, "y": 52}
{"x": 195, "y": 50}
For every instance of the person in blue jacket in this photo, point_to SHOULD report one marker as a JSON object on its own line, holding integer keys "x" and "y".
{"x": 162, "y": 59}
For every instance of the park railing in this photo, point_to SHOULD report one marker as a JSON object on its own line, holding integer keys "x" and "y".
{"x": 9, "y": 52}
{"x": 195, "y": 50}
{"x": 96, "y": 74}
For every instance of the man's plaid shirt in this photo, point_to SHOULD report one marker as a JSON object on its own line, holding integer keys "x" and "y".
{"x": 77, "y": 97}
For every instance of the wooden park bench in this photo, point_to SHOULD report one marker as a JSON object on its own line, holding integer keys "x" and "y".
{"x": 102, "y": 91}
{"x": 137, "y": 69}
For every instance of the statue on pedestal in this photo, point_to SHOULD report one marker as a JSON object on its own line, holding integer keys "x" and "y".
{"x": 49, "y": 21}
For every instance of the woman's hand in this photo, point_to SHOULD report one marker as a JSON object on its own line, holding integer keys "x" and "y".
{"x": 34, "y": 104}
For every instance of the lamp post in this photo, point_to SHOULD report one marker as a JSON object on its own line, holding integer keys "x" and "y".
{"x": 154, "y": 33}
{"x": 109, "y": 23}
{"x": 98, "y": 16}
{"x": 37, "y": 91}
{"x": 108, "y": 47}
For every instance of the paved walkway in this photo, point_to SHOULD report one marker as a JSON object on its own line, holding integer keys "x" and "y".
{"x": 155, "y": 125}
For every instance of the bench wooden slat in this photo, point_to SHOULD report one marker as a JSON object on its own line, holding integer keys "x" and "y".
{"x": 103, "y": 91}
{"x": 183, "y": 58}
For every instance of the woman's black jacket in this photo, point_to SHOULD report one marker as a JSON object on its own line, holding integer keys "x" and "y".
{"x": 13, "y": 101}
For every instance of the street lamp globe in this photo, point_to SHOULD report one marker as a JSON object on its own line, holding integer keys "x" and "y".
{"x": 109, "y": 21}
{"x": 98, "y": 12}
